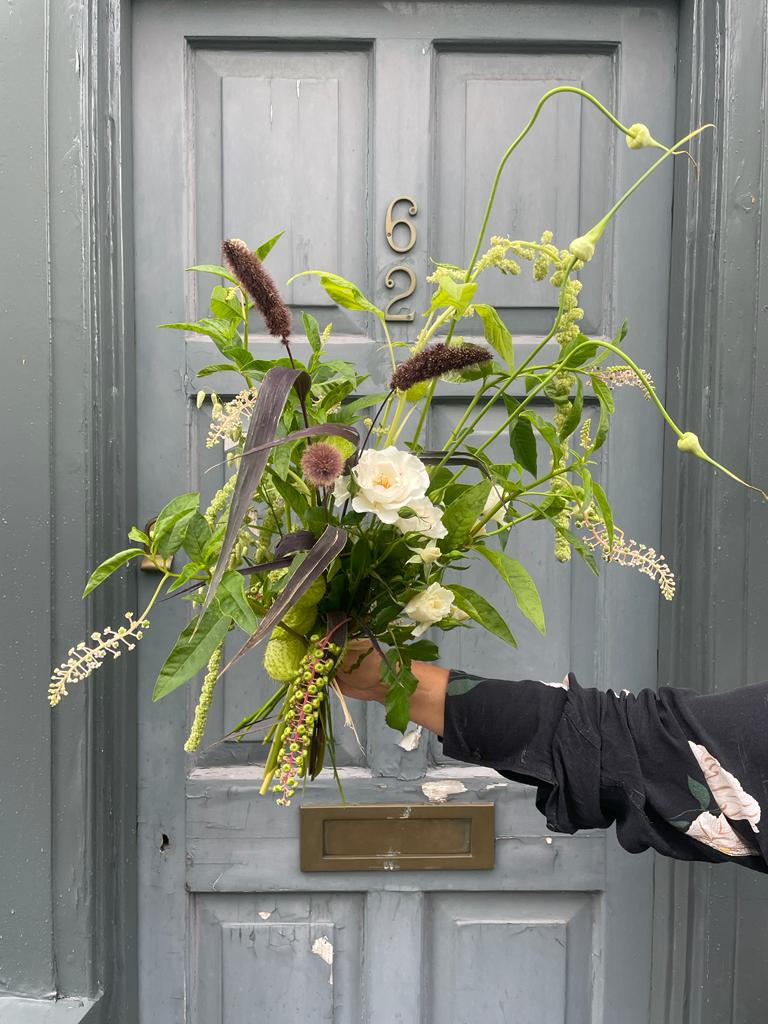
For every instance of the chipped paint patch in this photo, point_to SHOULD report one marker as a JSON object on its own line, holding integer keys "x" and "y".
{"x": 497, "y": 785}
{"x": 548, "y": 840}
{"x": 411, "y": 739}
{"x": 438, "y": 792}
{"x": 390, "y": 865}
{"x": 265, "y": 914}
{"x": 407, "y": 811}
{"x": 323, "y": 947}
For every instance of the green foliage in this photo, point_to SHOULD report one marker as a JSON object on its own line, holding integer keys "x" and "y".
{"x": 109, "y": 566}
{"x": 197, "y": 642}
{"x": 482, "y": 611}
{"x": 520, "y": 582}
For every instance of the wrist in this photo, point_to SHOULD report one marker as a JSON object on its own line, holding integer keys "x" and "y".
{"x": 428, "y": 700}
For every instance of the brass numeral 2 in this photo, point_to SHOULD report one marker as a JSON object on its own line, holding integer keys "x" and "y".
{"x": 391, "y": 223}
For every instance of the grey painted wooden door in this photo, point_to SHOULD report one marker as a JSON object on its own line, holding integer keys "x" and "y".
{"x": 311, "y": 117}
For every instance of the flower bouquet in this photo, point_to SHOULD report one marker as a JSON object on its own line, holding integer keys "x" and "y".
{"x": 337, "y": 524}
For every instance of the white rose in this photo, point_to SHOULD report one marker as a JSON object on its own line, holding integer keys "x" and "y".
{"x": 428, "y": 554}
{"x": 430, "y": 606}
{"x": 715, "y": 830}
{"x": 388, "y": 480}
{"x": 730, "y": 795}
{"x": 428, "y": 520}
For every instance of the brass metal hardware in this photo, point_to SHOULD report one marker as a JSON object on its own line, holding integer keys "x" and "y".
{"x": 146, "y": 564}
{"x": 390, "y": 837}
{"x": 389, "y": 282}
{"x": 391, "y": 223}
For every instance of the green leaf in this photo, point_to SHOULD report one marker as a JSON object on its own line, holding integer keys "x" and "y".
{"x": 700, "y": 793}
{"x": 497, "y": 333}
{"x": 607, "y": 406}
{"x": 343, "y": 292}
{"x": 197, "y": 642}
{"x": 138, "y": 535}
{"x": 290, "y": 495}
{"x": 523, "y": 442}
{"x": 233, "y": 602}
{"x": 219, "y": 331}
{"x": 225, "y": 303}
{"x": 570, "y": 358}
{"x": 605, "y": 510}
{"x": 401, "y": 684}
{"x": 422, "y": 650}
{"x": 462, "y": 514}
{"x": 452, "y": 293}
{"x": 196, "y": 537}
{"x": 573, "y": 418}
{"x": 578, "y": 546}
{"x": 190, "y": 570}
{"x": 547, "y": 431}
{"x": 312, "y": 331}
{"x": 263, "y": 250}
{"x": 520, "y": 582}
{"x": 214, "y": 268}
{"x": 168, "y": 531}
{"x": 107, "y": 567}
{"x": 481, "y": 611}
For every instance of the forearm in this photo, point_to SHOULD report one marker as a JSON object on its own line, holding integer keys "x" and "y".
{"x": 428, "y": 701}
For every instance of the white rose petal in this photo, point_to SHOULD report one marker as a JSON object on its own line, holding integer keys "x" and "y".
{"x": 430, "y": 606}
{"x": 494, "y": 497}
{"x": 428, "y": 520}
{"x": 715, "y": 830}
{"x": 388, "y": 480}
{"x": 341, "y": 488}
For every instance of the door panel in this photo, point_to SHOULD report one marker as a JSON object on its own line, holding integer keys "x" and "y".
{"x": 311, "y": 117}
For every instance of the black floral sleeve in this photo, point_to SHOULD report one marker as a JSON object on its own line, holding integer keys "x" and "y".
{"x": 684, "y": 773}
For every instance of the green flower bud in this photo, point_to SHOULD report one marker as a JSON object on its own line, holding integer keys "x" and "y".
{"x": 583, "y": 248}
{"x": 689, "y": 442}
{"x": 639, "y": 137}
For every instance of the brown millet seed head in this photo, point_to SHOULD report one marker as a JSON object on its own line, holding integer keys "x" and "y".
{"x": 436, "y": 360}
{"x": 322, "y": 464}
{"x": 256, "y": 280}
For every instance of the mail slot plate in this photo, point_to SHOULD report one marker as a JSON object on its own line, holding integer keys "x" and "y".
{"x": 404, "y": 837}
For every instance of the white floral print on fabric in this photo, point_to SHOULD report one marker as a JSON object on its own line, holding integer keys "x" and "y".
{"x": 565, "y": 685}
{"x": 715, "y": 830}
{"x": 731, "y": 797}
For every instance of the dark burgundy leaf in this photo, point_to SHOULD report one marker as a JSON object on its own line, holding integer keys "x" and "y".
{"x": 325, "y": 549}
{"x": 267, "y": 411}
{"x": 432, "y": 458}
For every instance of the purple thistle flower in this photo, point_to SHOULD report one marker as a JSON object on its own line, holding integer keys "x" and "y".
{"x": 322, "y": 464}
{"x": 436, "y": 360}
{"x": 253, "y": 276}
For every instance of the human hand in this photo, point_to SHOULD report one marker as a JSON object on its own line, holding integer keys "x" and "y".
{"x": 359, "y": 675}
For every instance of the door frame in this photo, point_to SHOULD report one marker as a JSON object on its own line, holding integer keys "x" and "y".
{"x": 708, "y": 290}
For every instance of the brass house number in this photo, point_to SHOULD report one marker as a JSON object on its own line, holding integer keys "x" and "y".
{"x": 390, "y": 224}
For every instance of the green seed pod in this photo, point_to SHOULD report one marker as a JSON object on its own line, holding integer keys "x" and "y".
{"x": 283, "y": 655}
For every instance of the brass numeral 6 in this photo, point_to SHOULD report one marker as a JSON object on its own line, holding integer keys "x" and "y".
{"x": 391, "y": 223}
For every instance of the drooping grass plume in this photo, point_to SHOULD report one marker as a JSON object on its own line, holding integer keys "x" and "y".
{"x": 256, "y": 280}
{"x": 436, "y": 360}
